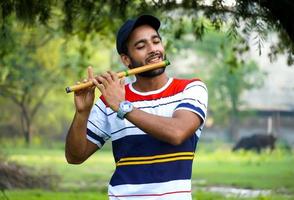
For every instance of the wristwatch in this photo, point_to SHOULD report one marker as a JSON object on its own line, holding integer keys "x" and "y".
{"x": 124, "y": 108}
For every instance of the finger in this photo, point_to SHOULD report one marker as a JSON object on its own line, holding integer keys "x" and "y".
{"x": 102, "y": 80}
{"x": 113, "y": 76}
{"x": 95, "y": 84}
{"x": 108, "y": 77}
{"x": 90, "y": 72}
{"x": 95, "y": 81}
{"x": 101, "y": 88}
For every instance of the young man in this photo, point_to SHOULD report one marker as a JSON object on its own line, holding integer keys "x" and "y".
{"x": 154, "y": 123}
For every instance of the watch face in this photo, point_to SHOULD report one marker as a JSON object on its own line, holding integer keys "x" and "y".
{"x": 126, "y": 106}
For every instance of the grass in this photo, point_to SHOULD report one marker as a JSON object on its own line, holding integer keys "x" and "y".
{"x": 90, "y": 195}
{"x": 49, "y": 195}
{"x": 269, "y": 170}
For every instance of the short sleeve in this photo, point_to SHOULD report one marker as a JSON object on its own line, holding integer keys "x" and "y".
{"x": 97, "y": 126}
{"x": 195, "y": 99}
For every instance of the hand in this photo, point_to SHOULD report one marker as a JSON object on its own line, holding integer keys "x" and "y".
{"x": 84, "y": 98}
{"x": 112, "y": 88}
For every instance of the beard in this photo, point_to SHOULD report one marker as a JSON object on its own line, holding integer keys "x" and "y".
{"x": 147, "y": 74}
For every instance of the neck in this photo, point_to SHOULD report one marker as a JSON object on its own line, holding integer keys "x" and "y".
{"x": 144, "y": 84}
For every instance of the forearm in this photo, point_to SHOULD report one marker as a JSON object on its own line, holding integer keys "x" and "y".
{"x": 76, "y": 140}
{"x": 173, "y": 130}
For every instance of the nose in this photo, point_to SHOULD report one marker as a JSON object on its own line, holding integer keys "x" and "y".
{"x": 151, "y": 48}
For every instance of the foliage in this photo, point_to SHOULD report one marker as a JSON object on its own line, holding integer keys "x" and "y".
{"x": 230, "y": 77}
{"x": 35, "y": 66}
{"x": 71, "y": 35}
{"x": 104, "y": 17}
{"x": 27, "y": 74}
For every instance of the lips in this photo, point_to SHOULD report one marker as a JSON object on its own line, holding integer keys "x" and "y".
{"x": 154, "y": 58}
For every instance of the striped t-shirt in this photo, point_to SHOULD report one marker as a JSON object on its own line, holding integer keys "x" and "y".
{"x": 147, "y": 168}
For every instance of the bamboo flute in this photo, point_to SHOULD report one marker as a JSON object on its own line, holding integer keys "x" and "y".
{"x": 125, "y": 73}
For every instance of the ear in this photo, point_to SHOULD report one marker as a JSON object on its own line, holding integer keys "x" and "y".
{"x": 125, "y": 59}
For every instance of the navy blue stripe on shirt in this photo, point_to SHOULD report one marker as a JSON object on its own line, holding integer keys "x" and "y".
{"x": 201, "y": 103}
{"x": 152, "y": 173}
{"x": 145, "y": 145}
{"x": 123, "y": 129}
{"x": 99, "y": 128}
{"x": 95, "y": 137}
{"x": 190, "y": 106}
{"x": 196, "y": 86}
{"x": 101, "y": 109}
{"x": 162, "y": 104}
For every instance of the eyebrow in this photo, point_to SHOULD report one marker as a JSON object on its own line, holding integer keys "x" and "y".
{"x": 144, "y": 40}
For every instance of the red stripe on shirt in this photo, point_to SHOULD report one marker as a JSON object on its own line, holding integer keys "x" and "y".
{"x": 104, "y": 101}
{"x": 177, "y": 86}
{"x": 145, "y": 195}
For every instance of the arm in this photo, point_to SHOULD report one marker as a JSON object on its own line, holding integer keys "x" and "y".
{"x": 174, "y": 130}
{"x": 77, "y": 147}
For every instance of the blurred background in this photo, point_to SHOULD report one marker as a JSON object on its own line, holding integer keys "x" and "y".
{"x": 242, "y": 50}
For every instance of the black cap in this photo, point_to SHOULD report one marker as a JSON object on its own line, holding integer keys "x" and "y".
{"x": 127, "y": 28}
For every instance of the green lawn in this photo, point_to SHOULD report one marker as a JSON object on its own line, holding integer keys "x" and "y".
{"x": 91, "y": 195}
{"x": 272, "y": 171}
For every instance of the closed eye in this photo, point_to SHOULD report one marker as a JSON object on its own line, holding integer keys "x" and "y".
{"x": 157, "y": 41}
{"x": 140, "y": 46}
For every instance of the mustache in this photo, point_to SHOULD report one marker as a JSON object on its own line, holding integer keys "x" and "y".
{"x": 154, "y": 55}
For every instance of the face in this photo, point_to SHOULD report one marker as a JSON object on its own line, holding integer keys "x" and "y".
{"x": 144, "y": 47}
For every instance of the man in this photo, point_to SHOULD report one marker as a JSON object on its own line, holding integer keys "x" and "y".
{"x": 154, "y": 123}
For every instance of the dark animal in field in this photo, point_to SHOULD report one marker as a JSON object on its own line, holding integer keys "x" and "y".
{"x": 256, "y": 142}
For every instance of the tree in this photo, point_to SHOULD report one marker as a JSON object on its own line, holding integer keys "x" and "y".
{"x": 26, "y": 77}
{"x": 35, "y": 67}
{"x": 104, "y": 17}
{"x": 230, "y": 79}
{"x": 231, "y": 74}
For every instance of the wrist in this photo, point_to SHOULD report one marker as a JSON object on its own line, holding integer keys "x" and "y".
{"x": 83, "y": 114}
{"x": 125, "y": 107}
{"x": 115, "y": 106}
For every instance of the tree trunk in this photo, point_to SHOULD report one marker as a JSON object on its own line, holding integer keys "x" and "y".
{"x": 234, "y": 127}
{"x": 26, "y": 125}
{"x": 234, "y": 118}
{"x": 27, "y": 138}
